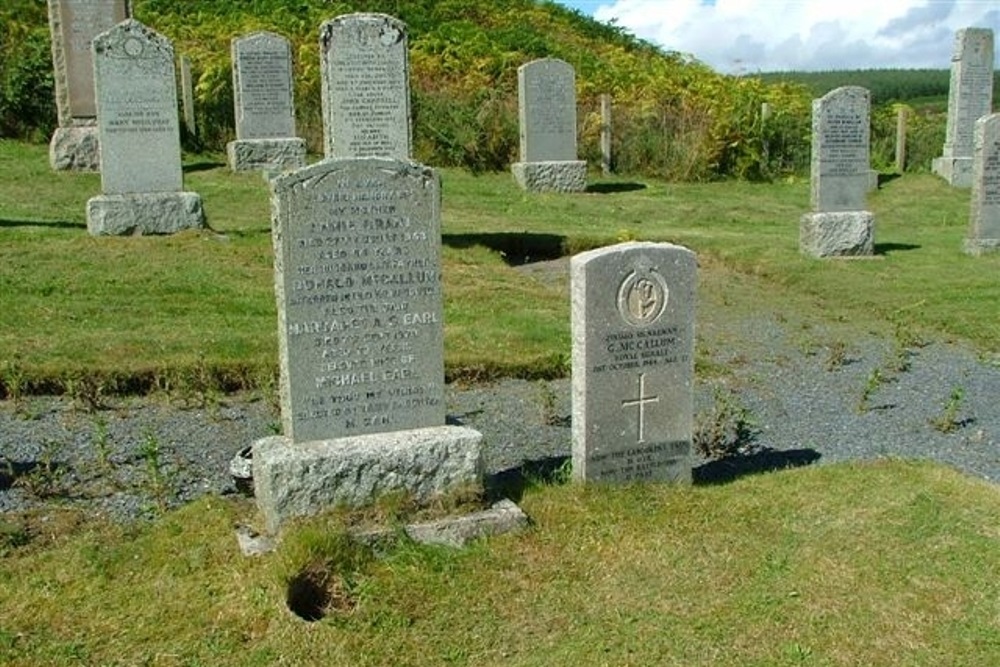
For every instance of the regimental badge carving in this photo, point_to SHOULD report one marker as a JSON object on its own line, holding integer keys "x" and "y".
{"x": 642, "y": 297}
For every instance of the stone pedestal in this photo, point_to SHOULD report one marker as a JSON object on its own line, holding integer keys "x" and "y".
{"x": 305, "y": 478}
{"x": 978, "y": 247}
{"x": 956, "y": 170}
{"x": 562, "y": 176}
{"x": 837, "y": 234}
{"x": 75, "y": 148}
{"x": 144, "y": 213}
{"x": 266, "y": 154}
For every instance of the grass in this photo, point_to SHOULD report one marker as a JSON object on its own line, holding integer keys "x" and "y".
{"x": 883, "y": 563}
{"x": 143, "y": 312}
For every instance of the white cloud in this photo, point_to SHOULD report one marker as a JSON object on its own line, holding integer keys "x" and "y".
{"x": 736, "y": 36}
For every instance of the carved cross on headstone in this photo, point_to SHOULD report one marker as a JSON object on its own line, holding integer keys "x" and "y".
{"x": 641, "y": 402}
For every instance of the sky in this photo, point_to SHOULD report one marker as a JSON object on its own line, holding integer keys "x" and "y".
{"x": 750, "y": 36}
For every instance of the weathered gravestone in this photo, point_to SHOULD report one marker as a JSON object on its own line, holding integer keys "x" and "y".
{"x": 984, "y": 220}
{"x": 546, "y": 94}
{"x": 839, "y": 225}
{"x": 633, "y": 362}
{"x": 138, "y": 124}
{"x": 74, "y": 23}
{"x": 365, "y": 87}
{"x": 358, "y": 285}
{"x": 970, "y": 96}
{"x": 187, "y": 96}
{"x": 265, "y": 112}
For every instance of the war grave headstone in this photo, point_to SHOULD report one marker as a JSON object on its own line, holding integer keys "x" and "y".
{"x": 546, "y": 95}
{"x": 984, "y": 218}
{"x": 839, "y": 224}
{"x": 138, "y": 124}
{"x": 633, "y": 308}
{"x": 358, "y": 285}
{"x": 73, "y": 24}
{"x": 970, "y": 96}
{"x": 265, "y": 111}
{"x": 365, "y": 87}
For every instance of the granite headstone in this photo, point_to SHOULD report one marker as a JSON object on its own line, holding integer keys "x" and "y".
{"x": 633, "y": 309}
{"x": 547, "y": 115}
{"x": 141, "y": 177}
{"x": 265, "y": 111}
{"x": 365, "y": 86}
{"x": 984, "y": 221}
{"x": 970, "y": 96}
{"x": 839, "y": 224}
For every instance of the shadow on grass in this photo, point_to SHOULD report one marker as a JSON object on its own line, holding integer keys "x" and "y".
{"x": 517, "y": 248}
{"x": 613, "y": 188}
{"x": 732, "y": 468}
{"x": 512, "y": 482}
{"x": 206, "y": 165}
{"x": 887, "y": 178}
{"x": 54, "y": 224}
{"x": 886, "y": 248}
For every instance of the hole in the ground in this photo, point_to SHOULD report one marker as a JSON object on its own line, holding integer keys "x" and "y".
{"x": 315, "y": 592}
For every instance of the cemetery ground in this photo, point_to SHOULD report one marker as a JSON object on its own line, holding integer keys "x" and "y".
{"x": 880, "y": 560}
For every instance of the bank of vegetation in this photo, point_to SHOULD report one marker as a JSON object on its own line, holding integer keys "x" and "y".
{"x": 674, "y": 117}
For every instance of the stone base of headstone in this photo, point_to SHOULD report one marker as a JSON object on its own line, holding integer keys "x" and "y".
{"x": 75, "y": 148}
{"x": 567, "y": 176}
{"x": 956, "y": 170}
{"x": 981, "y": 246}
{"x": 144, "y": 213}
{"x": 305, "y": 478}
{"x": 837, "y": 234}
{"x": 266, "y": 154}
{"x": 873, "y": 180}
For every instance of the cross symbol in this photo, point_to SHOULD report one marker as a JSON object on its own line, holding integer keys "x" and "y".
{"x": 641, "y": 402}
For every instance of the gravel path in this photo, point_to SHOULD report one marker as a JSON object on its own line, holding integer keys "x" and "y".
{"x": 799, "y": 389}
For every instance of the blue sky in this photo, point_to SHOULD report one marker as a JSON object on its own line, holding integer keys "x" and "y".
{"x": 746, "y": 36}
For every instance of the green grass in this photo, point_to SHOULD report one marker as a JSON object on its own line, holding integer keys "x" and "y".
{"x": 141, "y": 312}
{"x": 886, "y": 563}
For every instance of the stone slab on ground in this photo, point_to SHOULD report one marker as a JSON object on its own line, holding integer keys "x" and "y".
{"x": 144, "y": 213}
{"x": 266, "y": 154}
{"x": 837, "y": 234}
{"x": 565, "y": 176}
{"x": 75, "y": 148}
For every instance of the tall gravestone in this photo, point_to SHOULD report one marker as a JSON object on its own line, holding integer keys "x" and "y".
{"x": 365, "y": 87}
{"x": 633, "y": 307}
{"x": 839, "y": 224}
{"x": 984, "y": 219}
{"x": 360, "y": 316}
{"x": 74, "y": 23}
{"x": 139, "y": 132}
{"x": 970, "y": 96}
{"x": 547, "y": 113}
{"x": 265, "y": 111}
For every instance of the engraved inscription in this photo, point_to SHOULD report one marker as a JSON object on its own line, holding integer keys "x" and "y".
{"x": 640, "y": 402}
{"x": 633, "y": 350}
{"x": 642, "y": 296}
{"x": 264, "y": 105}
{"x": 362, "y": 295}
{"x": 646, "y": 461}
{"x": 80, "y": 21}
{"x": 844, "y": 144}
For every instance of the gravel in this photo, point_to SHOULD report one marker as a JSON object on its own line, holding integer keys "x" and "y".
{"x": 798, "y": 389}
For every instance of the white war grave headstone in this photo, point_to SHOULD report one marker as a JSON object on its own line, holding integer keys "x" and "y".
{"x": 357, "y": 248}
{"x": 970, "y": 97}
{"x": 984, "y": 218}
{"x": 633, "y": 309}
{"x": 139, "y": 130}
{"x": 265, "y": 111}
{"x": 839, "y": 224}
{"x": 73, "y": 24}
{"x": 546, "y": 94}
{"x": 365, "y": 87}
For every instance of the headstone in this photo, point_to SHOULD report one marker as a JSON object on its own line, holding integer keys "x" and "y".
{"x": 970, "y": 96}
{"x": 901, "y": 121}
{"x": 606, "y": 135}
{"x": 73, "y": 24}
{"x": 984, "y": 227}
{"x": 839, "y": 224}
{"x": 187, "y": 96}
{"x": 265, "y": 111}
{"x": 358, "y": 284}
{"x": 365, "y": 87}
{"x": 547, "y": 113}
{"x": 141, "y": 177}
{"x": 633, "y": 308}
